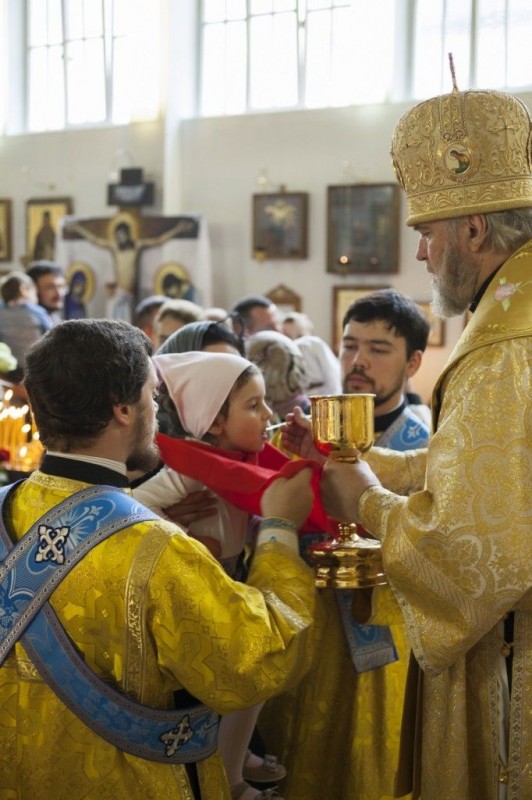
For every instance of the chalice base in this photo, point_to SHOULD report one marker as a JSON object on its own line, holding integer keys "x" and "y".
{"x": 351, "y": 562}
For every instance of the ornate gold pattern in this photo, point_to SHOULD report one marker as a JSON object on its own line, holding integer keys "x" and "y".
{"x": 457, "y": 554}
{"x": 402, "y": 473}
{"x": 135, "y": 650}
{"x": 26, "y": 670}
{"x": 452, "y": 162}
{"x": 338, "y": 731}
{"x": 247, "y": 651}
{"x": 324, "y": 730}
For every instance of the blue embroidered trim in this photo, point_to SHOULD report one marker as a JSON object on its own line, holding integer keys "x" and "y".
{"x": 29, "y": 573}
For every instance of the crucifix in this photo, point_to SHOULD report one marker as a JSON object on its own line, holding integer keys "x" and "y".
{"x": 126, "y": 235}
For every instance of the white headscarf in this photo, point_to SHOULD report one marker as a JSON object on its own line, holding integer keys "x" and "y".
{"x": 199, "y": 384}
{"x": 323, "y": 367}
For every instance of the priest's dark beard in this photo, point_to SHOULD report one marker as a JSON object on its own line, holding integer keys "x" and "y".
{"x": 145, "y": 455}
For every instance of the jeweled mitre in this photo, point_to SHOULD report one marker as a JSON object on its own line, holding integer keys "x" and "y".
{"x": 464, "y": 153}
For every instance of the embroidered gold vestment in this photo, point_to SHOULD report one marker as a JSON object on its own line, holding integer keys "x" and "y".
{"x": 357, "y": 714}
{"x": 152, "y": 612}
{"x": 458, "y": 556}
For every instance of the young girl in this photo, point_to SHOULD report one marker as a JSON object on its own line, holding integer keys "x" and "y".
{"x": 219, "y": 399}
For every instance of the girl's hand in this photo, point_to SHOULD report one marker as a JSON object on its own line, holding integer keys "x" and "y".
{"x": 195, "y": 506}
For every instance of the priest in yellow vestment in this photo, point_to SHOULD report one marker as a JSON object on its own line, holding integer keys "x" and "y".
{"x": 149, "y": 609}
{"x": 457, "y": 551}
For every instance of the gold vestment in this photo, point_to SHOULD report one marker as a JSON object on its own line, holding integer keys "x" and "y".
{"x": 152, "y": 612}
{"x": 457, "y": 555}
{"x": 338, "y": 723}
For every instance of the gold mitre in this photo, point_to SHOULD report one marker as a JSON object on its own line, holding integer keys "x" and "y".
{"x": 464, "y": 153}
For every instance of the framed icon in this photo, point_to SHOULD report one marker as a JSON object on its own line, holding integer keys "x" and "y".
{"x": 280, "y": 225}
{"x": 42, "y": 218}
{"x": 363, "y": 228}
{"x": 284, "y": 298}
{"x": 81, "y": 282}
{"x": 173, "y": 280}
{"x": 437, "y": 324}
{"x": 6, "y": 233}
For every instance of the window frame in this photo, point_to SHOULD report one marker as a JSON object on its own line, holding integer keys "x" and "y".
{"x": 112, "y": 104}
{"x": 402, "y": 86}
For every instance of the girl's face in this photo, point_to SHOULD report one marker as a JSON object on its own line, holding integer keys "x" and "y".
{"x": 244, "y": 428}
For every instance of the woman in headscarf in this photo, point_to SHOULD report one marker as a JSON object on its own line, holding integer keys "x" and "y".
{"x": 208, "y": 336}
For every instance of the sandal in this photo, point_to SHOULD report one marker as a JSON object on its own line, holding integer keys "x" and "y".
{"x": 243, "y": 791}
{"x": 269, "y": 771}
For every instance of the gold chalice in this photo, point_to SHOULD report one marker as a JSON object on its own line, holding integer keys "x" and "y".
{"x": 342, "y": 428}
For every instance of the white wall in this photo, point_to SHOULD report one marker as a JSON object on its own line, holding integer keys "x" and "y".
{"x": 77, "y": 164}
{"x": 219, "y": 161}
{"x": 305, "y": 151}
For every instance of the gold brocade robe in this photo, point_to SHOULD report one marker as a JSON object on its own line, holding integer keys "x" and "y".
{"x": 458, "y": 556}
{"x": 152, "y": 612}
{"x": 338, "y": 723}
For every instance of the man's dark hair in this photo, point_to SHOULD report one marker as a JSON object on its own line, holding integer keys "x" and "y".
{"x": 241, "y": 312}
{"x": 12, "y": 284}
{"x": 125, "y": 228}
{"x": 38, "y": 269}
{"x": 399, "y": 312}
{"x": 219, "y": 332}
{"x": 77, "y": 372}
{"x": 144, "y": 310}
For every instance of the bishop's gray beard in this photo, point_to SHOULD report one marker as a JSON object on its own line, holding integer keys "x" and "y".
{"x": 453, "y": 288}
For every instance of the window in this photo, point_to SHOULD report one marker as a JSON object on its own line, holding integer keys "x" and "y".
{"x": 280, "y": 54}
{"x": 99, "y": 61}
{"x": 489, "y": 39}
{"x": 83, "y": 65}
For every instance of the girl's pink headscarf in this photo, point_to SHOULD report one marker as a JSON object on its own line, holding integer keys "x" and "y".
{"x": 199, "y": 384}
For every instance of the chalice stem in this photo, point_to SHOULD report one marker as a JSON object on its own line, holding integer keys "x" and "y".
{"x": 342, "y": 429}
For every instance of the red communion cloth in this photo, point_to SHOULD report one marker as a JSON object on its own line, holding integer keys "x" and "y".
{"x": 241, "y": 478}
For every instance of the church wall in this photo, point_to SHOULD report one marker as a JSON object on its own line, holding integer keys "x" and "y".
{"x": 305, "y": 151}
{"x": 77, "y": 164}
{"x": 220, "y": 159}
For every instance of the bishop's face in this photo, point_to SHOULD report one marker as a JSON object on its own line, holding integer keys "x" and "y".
{"x": 454, "y": 273}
